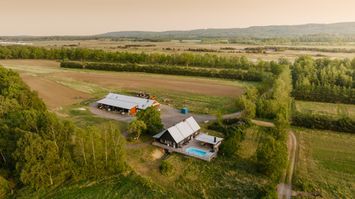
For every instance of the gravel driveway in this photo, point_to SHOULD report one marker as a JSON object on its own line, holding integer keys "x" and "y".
{"x": 169, "y": 115}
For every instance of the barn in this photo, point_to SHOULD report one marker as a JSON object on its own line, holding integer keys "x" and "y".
{"x": 125, "y": 104}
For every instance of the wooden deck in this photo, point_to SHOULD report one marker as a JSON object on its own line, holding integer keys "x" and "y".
{"x": 193, "y": 143}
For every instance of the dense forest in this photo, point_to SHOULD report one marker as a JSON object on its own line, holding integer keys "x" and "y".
{"x": 324, "y": 80}
{"x": 39, "y": 150}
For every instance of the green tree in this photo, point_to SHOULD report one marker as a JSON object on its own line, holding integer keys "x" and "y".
{"x": 151, "y": 117}
{"x": 39, "y": 162}
{"x": 231, "y": 144}
{"x": 248, "y": 107}
{"x": 99, "y": 152}
{"x": 271, "y": 157}
{"x": 136, "y": 127}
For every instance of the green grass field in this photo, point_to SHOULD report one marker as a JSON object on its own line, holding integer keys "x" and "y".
{"x": 326, "y": 163}
{"x": 335, "y": 110}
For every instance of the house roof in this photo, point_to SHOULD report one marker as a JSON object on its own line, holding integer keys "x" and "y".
{"x": 181, "y": 130}
{"x": 126, "y": 102}
{"x": 202, "y": 137}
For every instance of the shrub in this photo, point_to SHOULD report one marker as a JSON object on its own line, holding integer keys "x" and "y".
{"x": 151, "y": 117}
{"x": 166, "y": 168}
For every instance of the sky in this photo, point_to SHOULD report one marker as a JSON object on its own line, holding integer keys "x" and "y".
{"x": 87, "y": 17}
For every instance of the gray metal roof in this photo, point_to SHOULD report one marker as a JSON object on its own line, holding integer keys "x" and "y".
{"x": 126, "y": 102}
{"x": 202, "y": 137}
{"x": 181, "y": 130}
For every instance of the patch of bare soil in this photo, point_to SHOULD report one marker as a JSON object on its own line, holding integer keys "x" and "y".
{"x": 29, "y": 62}
{"x": 141, "y": 81}
{"x": 157, "y": 154}
{"x": 53, "y": 94}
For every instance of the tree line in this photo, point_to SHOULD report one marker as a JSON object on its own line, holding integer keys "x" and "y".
{"x": 39, "y": 150}
{"x": 236, "y": 74}
{"x": 324, "y": 122}
{"x": 84, "y": 54}
{"x": 271, "y": 100}
{"x": 324, "y": 80}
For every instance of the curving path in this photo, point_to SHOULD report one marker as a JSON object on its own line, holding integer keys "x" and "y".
{"x": 284, "y": 189}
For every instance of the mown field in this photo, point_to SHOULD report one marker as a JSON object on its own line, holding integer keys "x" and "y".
{"x": 325, "y": 164}
{"x": 330, "y": 109}
{"x": 62, "y": 87}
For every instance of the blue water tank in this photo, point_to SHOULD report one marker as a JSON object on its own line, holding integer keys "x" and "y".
{"x": 185, "y": 110}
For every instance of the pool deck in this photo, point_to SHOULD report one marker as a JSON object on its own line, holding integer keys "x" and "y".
{"x": 193, "y": 143}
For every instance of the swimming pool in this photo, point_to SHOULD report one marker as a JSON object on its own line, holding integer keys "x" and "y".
{"x": 195, "y": 151}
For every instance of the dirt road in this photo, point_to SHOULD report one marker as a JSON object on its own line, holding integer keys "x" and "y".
{"x": 284, "y": 189}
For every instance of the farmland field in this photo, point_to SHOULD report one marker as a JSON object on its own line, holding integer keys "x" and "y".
{"x": 330, "y": 109}
{"x": 73, "y": 86}
{"x": 183, "y": 46}
{"x": 326, "y": 163}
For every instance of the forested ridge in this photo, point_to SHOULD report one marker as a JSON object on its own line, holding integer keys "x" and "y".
{"x": 39, "y": 150}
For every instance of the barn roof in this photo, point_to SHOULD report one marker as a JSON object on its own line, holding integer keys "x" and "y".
{"x": 126, "y": 102}
{"x": 181, "y": 130}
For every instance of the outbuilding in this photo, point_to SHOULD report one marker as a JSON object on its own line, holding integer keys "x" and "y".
{"x": 125, "y": 104}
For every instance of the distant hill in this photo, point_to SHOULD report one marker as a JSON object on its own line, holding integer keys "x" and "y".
{"x": 336, "y": 29}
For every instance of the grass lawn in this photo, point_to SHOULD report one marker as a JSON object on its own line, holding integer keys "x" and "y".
{"x": 82, "y": 117}
{"x": 326, "y": 163}
{"x": 129, "y": 185}
{"x": 336, "y": 110}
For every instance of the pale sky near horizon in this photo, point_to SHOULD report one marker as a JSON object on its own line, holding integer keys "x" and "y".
{"x": 86, "y": 17}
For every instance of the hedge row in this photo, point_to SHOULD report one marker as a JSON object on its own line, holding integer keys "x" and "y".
{"x": 330, "y": 94}
{"x": 237, "y": 74}
{"x": 324, "y": 122}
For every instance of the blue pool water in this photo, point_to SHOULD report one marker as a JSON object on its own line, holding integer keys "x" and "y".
{"x": 196, "y": 151}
